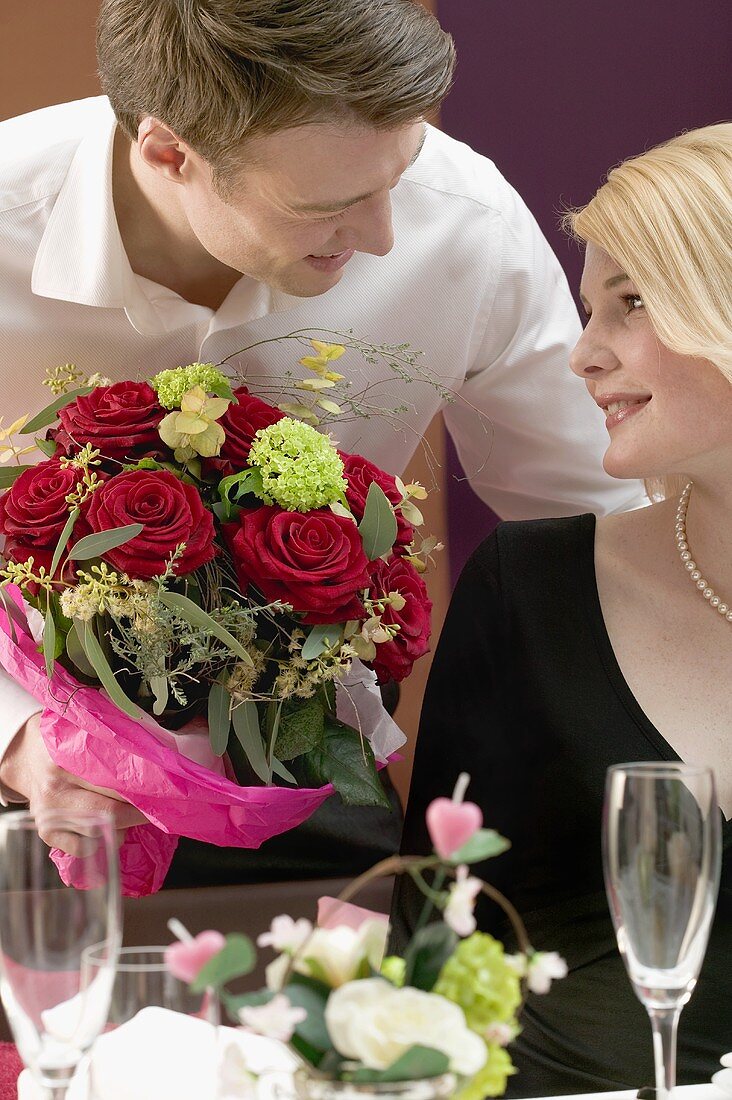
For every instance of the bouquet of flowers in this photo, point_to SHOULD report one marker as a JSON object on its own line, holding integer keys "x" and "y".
{"x": 449, "y": 1005}
{"x": 211, "y": 561}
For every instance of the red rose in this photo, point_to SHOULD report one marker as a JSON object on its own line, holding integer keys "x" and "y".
{"x": 121, "y": 421}
{"x": 171, "y": 512}
{"x": 359, "y": 474}
{"x": 34, "y": 510}
{"x": 241, "y": 422}
{"x": 314, "y": 562}
{"x": 394, "y": 659}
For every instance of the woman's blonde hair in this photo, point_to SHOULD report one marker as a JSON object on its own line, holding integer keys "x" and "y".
{"x": 665, "y": 217}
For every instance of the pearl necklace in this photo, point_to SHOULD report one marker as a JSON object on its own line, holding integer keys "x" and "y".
{"x": 682, "y": 545}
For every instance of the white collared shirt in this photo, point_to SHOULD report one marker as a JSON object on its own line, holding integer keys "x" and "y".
{"x": 471, "y": 282}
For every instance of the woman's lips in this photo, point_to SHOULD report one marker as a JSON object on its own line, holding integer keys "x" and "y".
{"x": 622, "y": 411}
{"x": 330, "y": 263}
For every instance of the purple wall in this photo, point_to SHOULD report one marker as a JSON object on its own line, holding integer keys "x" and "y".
{"x": 556, "y": 92}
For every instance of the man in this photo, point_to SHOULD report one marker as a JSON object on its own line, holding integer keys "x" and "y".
{"x": 264, "y": 167}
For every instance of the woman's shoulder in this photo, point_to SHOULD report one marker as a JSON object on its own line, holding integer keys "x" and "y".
{"x": 526, "y": 544}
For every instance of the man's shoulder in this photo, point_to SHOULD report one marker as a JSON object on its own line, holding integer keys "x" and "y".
{"x": 37, "y": 148}
{"x": 453, "y": 169}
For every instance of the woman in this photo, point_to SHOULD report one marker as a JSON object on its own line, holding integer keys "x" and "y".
{"x": 575, "y": 644}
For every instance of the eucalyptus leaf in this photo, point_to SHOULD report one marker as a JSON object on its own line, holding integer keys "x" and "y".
{"x": 416, "y": 1064}
{"x": 279, "y": 769}
{"x": 234, "y": 960}
{"x": 77, "y": 653}
{"x": 96, "y": 657}
{"x": 378, "y": 527}
{"x": 245, "y": 718}
{"x": 49, "y": 641}
{"x": 48, "y": 446}
{"x": 100, "y": 542}
{"x": 320, "y": 639}
{"x": 10, "y": 474}
{"x": 63, "y": 540}
{"x": 312, "y": 1029}
{"x": 16, "y": 617}
{"x": 48, "y": 415}
{"x": 428, "y": 951}
{"x": 346, "y": 760}
{"x": 196, "y": 616}
{"x": 159, "y": 688}
{"x": 485, "y": 844}
{"x": 219, "y": 718}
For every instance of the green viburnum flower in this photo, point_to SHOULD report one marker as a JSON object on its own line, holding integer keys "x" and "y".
{"x": 479, "y": 979}
{"x": 394, "y": 968}
{"x": 491, "y": 1079}
{"x": 172, "y": 385}
{"x": 300, "y": 467}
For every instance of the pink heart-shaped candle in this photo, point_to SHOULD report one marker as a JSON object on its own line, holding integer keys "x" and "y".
{"x": 451, "y": 824}
{"x": 186, "y": 960}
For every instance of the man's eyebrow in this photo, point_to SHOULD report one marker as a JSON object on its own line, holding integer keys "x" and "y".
{"x": 614, "y": 280}
{"x": 330, "y": 207}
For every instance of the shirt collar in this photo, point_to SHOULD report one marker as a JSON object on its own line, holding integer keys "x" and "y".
{"x": 81, "y": 257}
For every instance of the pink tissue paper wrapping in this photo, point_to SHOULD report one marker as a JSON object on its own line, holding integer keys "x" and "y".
{"x": 144, "y": 764}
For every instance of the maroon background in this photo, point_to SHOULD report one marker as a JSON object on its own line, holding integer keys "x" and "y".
{"x": 556, "y": 92}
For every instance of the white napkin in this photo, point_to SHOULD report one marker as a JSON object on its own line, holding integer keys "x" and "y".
{"x": 163, "y": 1055}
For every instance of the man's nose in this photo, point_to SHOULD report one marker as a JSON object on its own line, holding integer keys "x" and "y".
{"x": 370, "y": 227}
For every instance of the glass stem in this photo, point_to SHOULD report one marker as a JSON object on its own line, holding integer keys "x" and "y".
{"x": 664, "y": 1023}
{"x": 57, "y": 1092}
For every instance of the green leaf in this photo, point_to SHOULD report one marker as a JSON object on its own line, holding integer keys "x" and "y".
{"x": 301, "y": 727}
{"x": 245, "y": 718}
{"x": 48, "y": 415}
{"x": 320, "y": 639}
{"x": 312, "y": 1029}
{"x": 279, "y": 769}
{"x": 246, "y": 481}
{"x": 10, "y": 474}
{"x": 77, "y": 654}
{"x": 219, "y": 718}
{"x": 159, "y": 688}
{"x": 196, "y": 616}
{"x": 415, "y": 1064}
{"x": 428, "y": 951}
{"x": 485, "y": 844}
{"x": 346, "y": 760}
{"x": 234, "y": 960}
{"x": 48, "y": 446}
{"x": 63, "y": 540}
{"x": 100, "y": 542}
{"x": 95, "y": 655}
{"x": 234, "y": 1001}
{"x": 49, "y": 641}
{"x": 378, "y": 527}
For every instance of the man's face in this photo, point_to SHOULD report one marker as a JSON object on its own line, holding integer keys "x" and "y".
{"x": 304, "y": 200}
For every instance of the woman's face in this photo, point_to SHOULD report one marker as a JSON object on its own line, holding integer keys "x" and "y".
{"x": 665, "y": 413}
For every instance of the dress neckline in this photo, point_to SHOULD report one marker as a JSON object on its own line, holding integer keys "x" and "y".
{"x": 619, "y": 684}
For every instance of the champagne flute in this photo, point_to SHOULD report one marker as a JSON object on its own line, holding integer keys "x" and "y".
{"x": 662, "y": 859}
{"x": 55, "y": 1004}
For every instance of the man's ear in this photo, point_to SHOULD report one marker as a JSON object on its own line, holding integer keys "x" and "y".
{"x": 161, "y": 149}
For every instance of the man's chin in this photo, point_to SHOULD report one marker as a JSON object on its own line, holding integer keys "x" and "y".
{"x": 308, "y": 283}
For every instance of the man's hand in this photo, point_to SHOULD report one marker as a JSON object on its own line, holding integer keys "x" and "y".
{"x": 28, "y": 769}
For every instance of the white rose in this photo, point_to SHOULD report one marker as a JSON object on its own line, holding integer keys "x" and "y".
{"x": 334, "y": 955}
{"x": 374, "y": 1023}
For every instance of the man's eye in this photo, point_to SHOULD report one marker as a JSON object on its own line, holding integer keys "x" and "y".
{"x": 333, "y": 217}
{"x": 632, "y": 302}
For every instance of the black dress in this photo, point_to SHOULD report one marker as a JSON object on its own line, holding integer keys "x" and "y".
{"x": 526, "y": 695}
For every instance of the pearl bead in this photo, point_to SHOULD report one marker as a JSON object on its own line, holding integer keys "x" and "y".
{"x": 729, "y": 616}
{"x": 723, "y": 609}
{"x": 701, "y": 584}
{"x": 685, "y": 555}
{"x": 695, "y": 576}
{"x": 683, "y": 545}
{"x": 689, "y": 563}
{"x": 714, "y": 601}
{"x": 708, "y": 593}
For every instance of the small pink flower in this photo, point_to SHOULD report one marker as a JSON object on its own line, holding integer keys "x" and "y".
{"x": 186, "y": 960}
{"x": 458, "y": 912}
{"x": 286, "y": 934}
{"x": 452, "y": 824}
{"x": 277, "y": 1019}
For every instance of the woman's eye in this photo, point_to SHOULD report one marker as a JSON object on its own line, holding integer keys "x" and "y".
{"x": 632, "y": 302}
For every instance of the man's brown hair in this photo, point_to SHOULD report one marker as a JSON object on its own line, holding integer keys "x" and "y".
{"x": 220, "y": 71}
